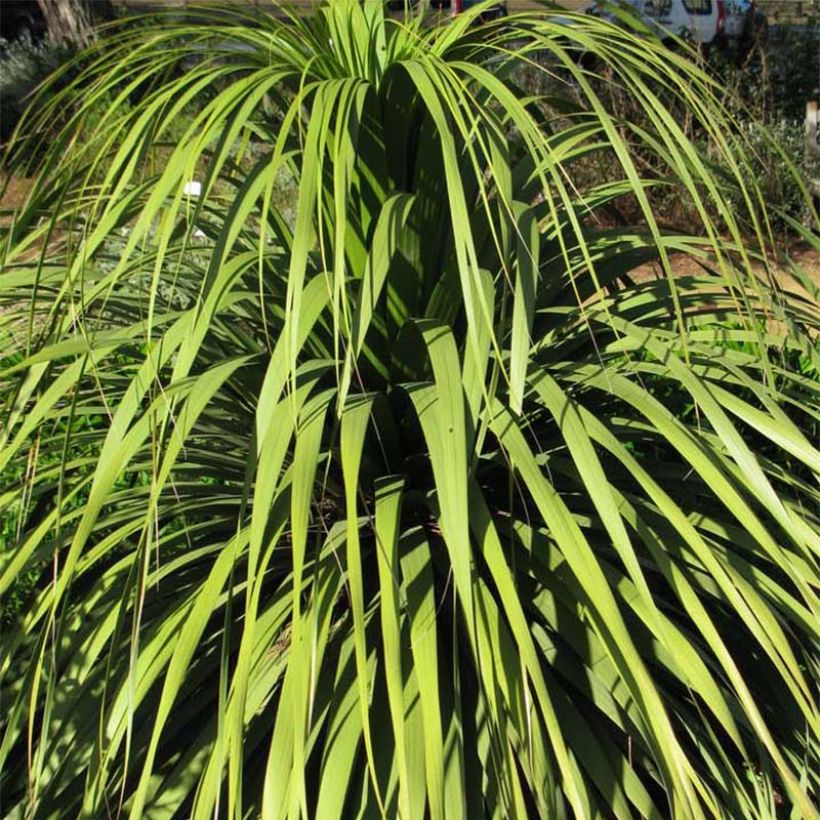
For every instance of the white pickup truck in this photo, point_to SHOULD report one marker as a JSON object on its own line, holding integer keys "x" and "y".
{"x": 702, "y": 21}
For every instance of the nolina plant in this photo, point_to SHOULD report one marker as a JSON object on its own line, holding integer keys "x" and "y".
{"x": 420, "y": 504}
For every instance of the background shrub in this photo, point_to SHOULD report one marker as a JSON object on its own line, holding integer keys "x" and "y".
{"x": 24, "y": 64}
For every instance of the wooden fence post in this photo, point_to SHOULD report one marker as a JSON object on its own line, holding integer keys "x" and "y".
{"x": 811, "y": 127}
{"x": 813, "y": 150}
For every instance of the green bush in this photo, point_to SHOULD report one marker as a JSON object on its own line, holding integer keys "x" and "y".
{"x": 782, "y": 164}
{"x": 768, "y": 90}
{"x": 423, "y": 503}
{"x": 783, "y": 73}
{"x": 765, "y": 85}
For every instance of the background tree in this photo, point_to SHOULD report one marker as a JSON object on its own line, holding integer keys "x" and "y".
{"x": 71, "y": 22}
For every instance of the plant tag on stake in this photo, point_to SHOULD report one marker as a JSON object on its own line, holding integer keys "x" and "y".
{"x": 194, "y": 188}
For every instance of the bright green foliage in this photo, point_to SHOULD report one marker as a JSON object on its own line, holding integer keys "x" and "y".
{"x": 415, "y": 504}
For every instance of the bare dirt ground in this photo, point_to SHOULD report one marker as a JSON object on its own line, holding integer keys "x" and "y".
{"x": 14, "y": 191}
{"x": 805, "y": 257}
{"x": 809, "y": 260}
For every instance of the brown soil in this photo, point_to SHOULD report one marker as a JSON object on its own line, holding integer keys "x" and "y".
{"x": 805, "y": 257}
{"x": 13, "y": 191}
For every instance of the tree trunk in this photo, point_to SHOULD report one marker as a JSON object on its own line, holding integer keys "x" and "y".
{"x": 72, "y": 21}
